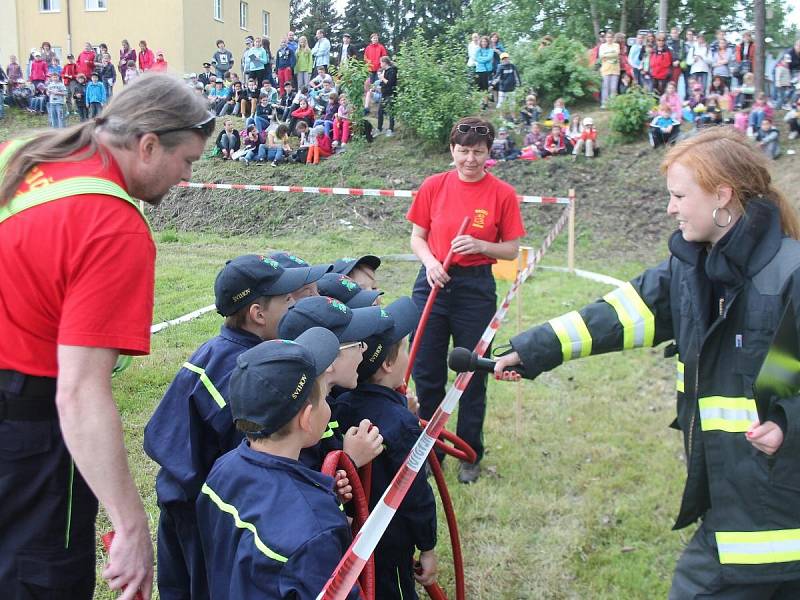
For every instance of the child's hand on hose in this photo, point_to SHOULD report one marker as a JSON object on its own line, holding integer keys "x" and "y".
{"x": 363, "y": 443}
{"x": 342, "y": 487}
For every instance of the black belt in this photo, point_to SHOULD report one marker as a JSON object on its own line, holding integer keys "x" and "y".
{"x": 27, "y": 398}
{"x": 473, "y": 271}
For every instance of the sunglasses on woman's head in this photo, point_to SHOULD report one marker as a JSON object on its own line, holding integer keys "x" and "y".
{"x": 479, "y": 129}
{"x": 206, "y": 127}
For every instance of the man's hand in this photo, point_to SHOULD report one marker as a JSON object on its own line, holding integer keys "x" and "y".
{"x": 425, "y": 573}
{"x": 767, "y": 437}
{"x": 363, "y": 443}
{"x": 130, "y": 562}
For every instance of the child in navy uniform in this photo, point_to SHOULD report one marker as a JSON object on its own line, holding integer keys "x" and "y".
{"x": 361, "y": 270}
{"x": 272, "y": 528}
{"x": 375, "y": 398}
{"x": 351, "y": 327}
{"x": 347, "y": 291}
{"x": 192, "y": 425}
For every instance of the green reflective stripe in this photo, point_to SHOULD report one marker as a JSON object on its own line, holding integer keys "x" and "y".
{"x": 123, "y": 362}
{"x": 329, "y": 431}
{"x": 576, "y": 342}
{"x": 758, "y": 547}
{"x": 7, "y": 153}
{"x": 679, "y": 381}
{"x": 73, "y": 186}
{"x": 68, "y": 529}
{"x": 207, "y": 383}
{"x": 718, "y": 413}
{"x": 399, "y": 585}
{"x": 781, "y": 372}
{"x": 638, "y": 322}
{"x": 231, "y": 510}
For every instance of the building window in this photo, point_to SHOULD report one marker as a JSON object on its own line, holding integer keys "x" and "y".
{"x": 265, "y": 23}
{"x": 96, "y": 4}
{"x": 218, "y": 10}
{"x": 49, "y": 5}
{"x": 243, "y": 15}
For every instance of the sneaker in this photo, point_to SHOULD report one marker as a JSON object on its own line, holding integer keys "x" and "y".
{"x": 792, "y": 135}
{"x": 274, "y": 163}
{"x": 750, "y": 132}
{"x": 468, "y": 472}
{"x": 335, "y": 143}
{"x": 389, "y": 133}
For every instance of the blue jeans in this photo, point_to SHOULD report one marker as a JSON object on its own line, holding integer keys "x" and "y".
{"x": 274, "y": 153}
{"x": 328, "y": 125}
{"x": 55, "y": 112}
{"x": 260, "y": 123}
{"x": 37, "y": 103}
{"x": 755, "y": 118}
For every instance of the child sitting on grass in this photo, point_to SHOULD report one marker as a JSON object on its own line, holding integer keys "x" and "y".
{"x": 559, "y": 114}
{"x": 556, "y": 143}
{"x": 663, "y": 128}
{"x": 530, "y": 113}
{"x": 587, "y": 141}
{"x": 341, "y": 123}
{"x": 414, "y": 526}
{"x": 271, "y": 527}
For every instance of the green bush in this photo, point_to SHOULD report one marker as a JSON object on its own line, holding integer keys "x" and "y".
{"x": 559, "y": 69}
{"x": 434, "y": 88}
{"x": 629, "y": 112}
{"x": 351, "y": 79}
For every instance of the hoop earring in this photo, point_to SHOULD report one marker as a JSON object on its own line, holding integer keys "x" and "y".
{"x": 714, "y": 217}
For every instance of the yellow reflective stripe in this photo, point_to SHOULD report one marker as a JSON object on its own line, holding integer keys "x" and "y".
{"x": 123, "y": 362}
{"x": 329, "y": 431}
{"x": 734, "y": 415}
{"x": 679, "y": 380}
{"x": 7, "y": 153}
{"x": 638, "y": 322}
{"x": 758, "y": 547}
{"x": 231, "y": 510}
{"x": 576, "y": 341}
{"x": 73, "y": 186}
{"x": 207, "y": 383}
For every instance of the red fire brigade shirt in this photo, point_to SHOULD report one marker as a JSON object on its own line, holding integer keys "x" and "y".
{"x": 77, "y": 271}
{"x": 444, "y": 200}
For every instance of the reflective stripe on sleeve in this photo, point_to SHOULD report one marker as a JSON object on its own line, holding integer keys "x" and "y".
{"x": 231, "y": 510}
{"x": 333, "y": 425}
{"x": 679, "y": 378}
{"x": 207, "y": 383}
{"x": 758, "y": 547}
{"x": 734, "y": 415}
{"x": 638, "y": 322}
{"x": 576, "y": 341}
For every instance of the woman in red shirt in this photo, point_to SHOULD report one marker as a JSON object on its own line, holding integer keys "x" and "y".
{"x": 660, "y": 64}
{"x": 146, "y": 57}
{"x": 86, "y": 60}
{"x": 467, "y": 300}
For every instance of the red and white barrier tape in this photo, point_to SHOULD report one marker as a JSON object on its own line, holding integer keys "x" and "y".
{"x": 336, "y": 191}
{"x": 187, "y": 317}
{"x": 349, "y": 568}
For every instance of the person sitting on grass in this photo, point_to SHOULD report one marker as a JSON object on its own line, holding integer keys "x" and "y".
{"x": 664, "y": 129}
{"x": 672, "y": 99}
{"x": 301, "y": 154}
{"x": 270, "y": 526}
{"x": 262, "y": 117}
{"x": 767, "y": 138}
{"x": 218, "y": 98}
{"x": 250, "y": 143}
{"x": 503, "y": 147}
{"x": 228, "y": 140}
{"x": 587, "y": 141}
{"x": 331, "y": 109}
{"x": 376, "y": 399}
{"x": 284, "y": 107}
{"x": 556, "y": 143}
{"x": 319, "y": 145}
{"x": 250, "y": 100}
{"x": 575, "y": 128}
{"x": 791, "y": 119}
{"x": 535, "y": 139}
{"x": 276, "y": 147}
{"x": 341, "y": 123}
{"x": 760, "y": 110}
{"x": 192, "y": 425}
{"x": 531, "y": 111}
{"x": 304, "y": 112}
{"x": 233, "y": 103}
{"x": 560, "y": 113}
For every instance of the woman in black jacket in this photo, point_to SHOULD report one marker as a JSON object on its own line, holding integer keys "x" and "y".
{"x": 228, "y": 140}
{"x": 387, "y": 75}
{"x": 733, "y": 270}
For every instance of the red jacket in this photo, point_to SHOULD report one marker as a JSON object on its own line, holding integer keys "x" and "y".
{"x": 303, "y": 114}
{"x": 160, "y": 65}
{"x": 660, "y": 63}
{"x": 39, "y": 70}
{"x": 751, "y": 53}
{"x": 372, "y": 56}
{"x": 86, "y": 63}
{"x": 146, "y": 59}
{"x": 68, "y": 73}
{"x": 553, "y": 145}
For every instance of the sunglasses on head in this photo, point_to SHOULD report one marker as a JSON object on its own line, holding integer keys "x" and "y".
{"x": 206, "y": 127}
{"x": 479, "y": 129}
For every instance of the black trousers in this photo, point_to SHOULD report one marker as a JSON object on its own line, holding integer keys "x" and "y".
{"x": 461, "y": 311}
{"x": 698, "y": 576}
{"x": 394, "y": 573}
{"x": 47, "y": 512}
{"x": 181, "y": 565}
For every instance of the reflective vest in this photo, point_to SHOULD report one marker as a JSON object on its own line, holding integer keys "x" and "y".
{"x": 751, "y": 501}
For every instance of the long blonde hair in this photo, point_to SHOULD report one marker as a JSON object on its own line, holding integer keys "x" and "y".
{"x": 152, "y": 102}
{"x": 722, "y": 156}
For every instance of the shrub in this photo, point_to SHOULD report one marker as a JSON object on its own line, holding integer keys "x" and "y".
{"x": 434, "y": 88}
{"x": 559, "y": 69}
{"x": 630, "y": 111}
{"x": 351, "y": 79}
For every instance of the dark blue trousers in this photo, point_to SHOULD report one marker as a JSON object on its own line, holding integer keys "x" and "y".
{"x": 181, "y": 566}
{"x": 461, "y": 311}
{"x": 394, "y": 574}
{"x": 47, "y": 513}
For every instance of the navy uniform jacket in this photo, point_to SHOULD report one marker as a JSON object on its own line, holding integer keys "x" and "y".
{"x": 270, "y": 528}
{"x": 192, "y": 425}
{"x": 414, "y": 525}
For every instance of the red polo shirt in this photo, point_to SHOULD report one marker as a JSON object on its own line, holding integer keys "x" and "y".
{"x": 444, "y": 200}
{"x": 78, "y": 271}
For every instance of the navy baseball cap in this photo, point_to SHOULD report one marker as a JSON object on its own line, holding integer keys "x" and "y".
{"x": 290, "y": 261}
{"x": 271, "y": 382}
{"x": 346, "y": 290}
{"x": 405, "y": 318}
{"x": 246, "y": 278}
{"x": 321, "y": 311}
{"x": 346, "y": 265}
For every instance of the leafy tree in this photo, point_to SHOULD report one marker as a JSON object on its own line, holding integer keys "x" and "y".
{"x": 433, "y": 89}
{"x": 362, "y": 18}
{"x": 320, "y": 14}
{"x": 630, "y": 112}
{"x": 351, "y": 79}
{"x": 297, "y": 10}
{"x": 556, "y": 70}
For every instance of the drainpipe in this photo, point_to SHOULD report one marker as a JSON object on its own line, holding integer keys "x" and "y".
{"x": 69, "y": 30}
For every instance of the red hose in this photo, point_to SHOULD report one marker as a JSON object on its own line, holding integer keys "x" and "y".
{"x": 108, "y": 539}
{"x": 339, "y": 460}
{"x": 452, "y": 526}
